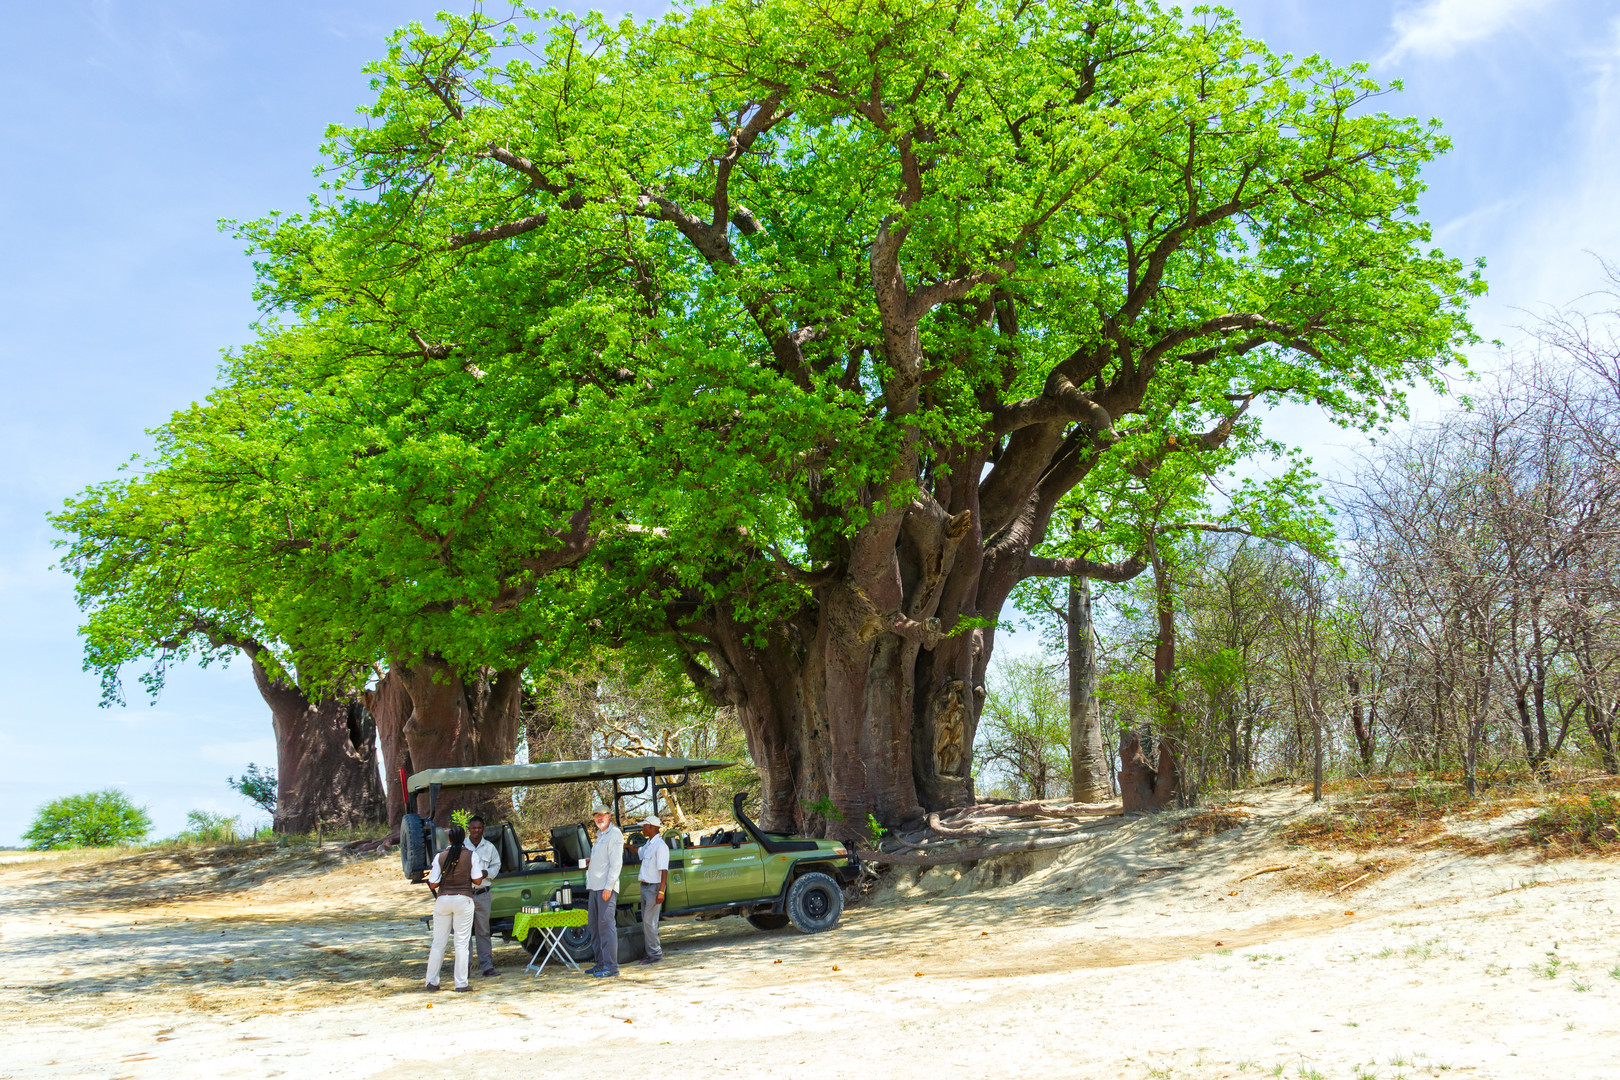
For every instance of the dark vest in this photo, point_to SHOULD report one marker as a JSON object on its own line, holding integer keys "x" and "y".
{"x": 458, "y": 881}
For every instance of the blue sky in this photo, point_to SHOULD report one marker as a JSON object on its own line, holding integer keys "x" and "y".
{"x": 132, "y": 126}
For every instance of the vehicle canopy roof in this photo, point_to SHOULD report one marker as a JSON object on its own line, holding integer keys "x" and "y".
{"x": 558, "y": 772}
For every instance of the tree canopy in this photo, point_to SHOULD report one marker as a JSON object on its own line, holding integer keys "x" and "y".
{"x": 771, "y": 335}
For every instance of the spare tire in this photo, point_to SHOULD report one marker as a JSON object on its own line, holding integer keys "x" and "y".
{"x": 814, "y": 903}
{"x": 414, "y": 845}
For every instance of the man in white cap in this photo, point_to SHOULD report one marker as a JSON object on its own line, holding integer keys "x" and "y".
{"x": 654, "y": 878}
{"x": 602, "y": 881}
{"x": 490, "y": 859}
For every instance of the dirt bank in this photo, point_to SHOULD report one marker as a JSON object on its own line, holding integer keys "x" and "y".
{"x": 1140, "y": 953}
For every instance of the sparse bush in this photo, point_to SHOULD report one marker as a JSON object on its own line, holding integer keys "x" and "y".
{"x": 1585, "y": 823}
{"x": 205, "y": 828}
{"x": 94, "y": 819}
{"x": 1380, "y": 814}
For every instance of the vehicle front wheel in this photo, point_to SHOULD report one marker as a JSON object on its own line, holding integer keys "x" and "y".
{"x": 767, "y": 921}
{"x": 814, "y": 903}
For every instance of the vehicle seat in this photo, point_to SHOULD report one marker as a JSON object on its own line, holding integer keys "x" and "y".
{"x": 571, "y": 844}
{"x": 506, "y": 842}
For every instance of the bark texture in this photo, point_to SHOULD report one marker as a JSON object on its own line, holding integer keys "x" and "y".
{"x": 1087, "y": 759}
{"x": 326, "y": 758}
{"x": 1143, "y": 788}
{"x": 1360, "y": 722}
{"x": 431, "y": 717}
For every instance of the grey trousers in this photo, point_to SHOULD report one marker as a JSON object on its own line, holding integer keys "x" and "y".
{"x": 650, "y": 907}
{"x": 604, "y": 934}
{"x": 486, "y": 955}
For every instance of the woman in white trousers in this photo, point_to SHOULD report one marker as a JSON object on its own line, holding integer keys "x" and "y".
{"x": 455, "y": 871}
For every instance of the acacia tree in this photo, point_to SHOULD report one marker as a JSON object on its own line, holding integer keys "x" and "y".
{"x": 926, "y": 264}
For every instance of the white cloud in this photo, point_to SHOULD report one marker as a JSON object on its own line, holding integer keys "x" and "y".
{"x": 1569, "y": 216}
{"x": 1438, "y": 28}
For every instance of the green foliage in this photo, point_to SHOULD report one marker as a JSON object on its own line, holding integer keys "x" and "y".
{"x": 823, "y": 807}
{"x": 460, "y": 817}
{"x": 587, "y": 330}
{"x": 874, "y": 829}
{"x": 257, "y": 785}
{"x": 203, "y": 827}
{"x": 96, "y": 819}
{"x": 1023, "y": 738}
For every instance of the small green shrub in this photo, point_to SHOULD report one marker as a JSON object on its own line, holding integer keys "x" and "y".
{"x": 825, "y": 808}
{"x": 205, "y": 828}
{"x": 94, "y": 819}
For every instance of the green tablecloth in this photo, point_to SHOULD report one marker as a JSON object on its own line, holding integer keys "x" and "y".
{"x": 524, "y": 921}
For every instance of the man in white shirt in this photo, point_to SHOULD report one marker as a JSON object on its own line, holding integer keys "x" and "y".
{"x": 602, "y": 882}
{"x": 654, "y": 878}
{"x": 490, "y": 859}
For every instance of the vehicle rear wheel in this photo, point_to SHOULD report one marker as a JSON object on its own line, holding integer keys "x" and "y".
{"x": 814, "y": 903}
{"x": 767, "y": 921}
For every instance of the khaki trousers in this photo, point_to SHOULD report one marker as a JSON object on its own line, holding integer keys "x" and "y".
{"x": 451, "y": 915}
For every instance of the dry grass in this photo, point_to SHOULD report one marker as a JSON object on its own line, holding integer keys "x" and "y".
{"x": 1578, "y": 823}
{"x": 1346, "y": 878}
{"x": 1379, "y": 814}
{"x": 1216, "y": 819}
{"x": 1580, "y": 817}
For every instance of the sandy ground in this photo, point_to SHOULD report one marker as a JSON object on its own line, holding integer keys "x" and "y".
{"x": 1136, "y": 954}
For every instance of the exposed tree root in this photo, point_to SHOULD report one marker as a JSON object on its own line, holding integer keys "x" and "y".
{"x": 973, "y": 854}
{"x": 935, "y": 825}
{"x": 1034, "y": 809}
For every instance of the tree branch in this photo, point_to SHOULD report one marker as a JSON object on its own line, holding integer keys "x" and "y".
{"x": 1123, "y": 570}
{"x": 498, "y": 232}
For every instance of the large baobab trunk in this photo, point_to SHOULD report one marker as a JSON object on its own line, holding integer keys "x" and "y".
{"x": 326, "y": 758}
{"x": 861, "y": 702}
{"x": 866, "y": 700}
{"x": 431, "y": 717}
{"x": 1087, "y": 761}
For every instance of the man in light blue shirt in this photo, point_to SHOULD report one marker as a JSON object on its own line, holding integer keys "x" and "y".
{"x": 602, "y": 881}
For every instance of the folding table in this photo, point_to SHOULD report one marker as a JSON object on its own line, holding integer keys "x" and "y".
{"x": 550, "y": 925}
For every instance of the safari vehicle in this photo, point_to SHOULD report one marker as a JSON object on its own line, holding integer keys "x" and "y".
{"x": 770, "y": 879}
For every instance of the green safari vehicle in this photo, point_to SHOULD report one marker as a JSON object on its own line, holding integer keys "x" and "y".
{"x": 771, "y": 879}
